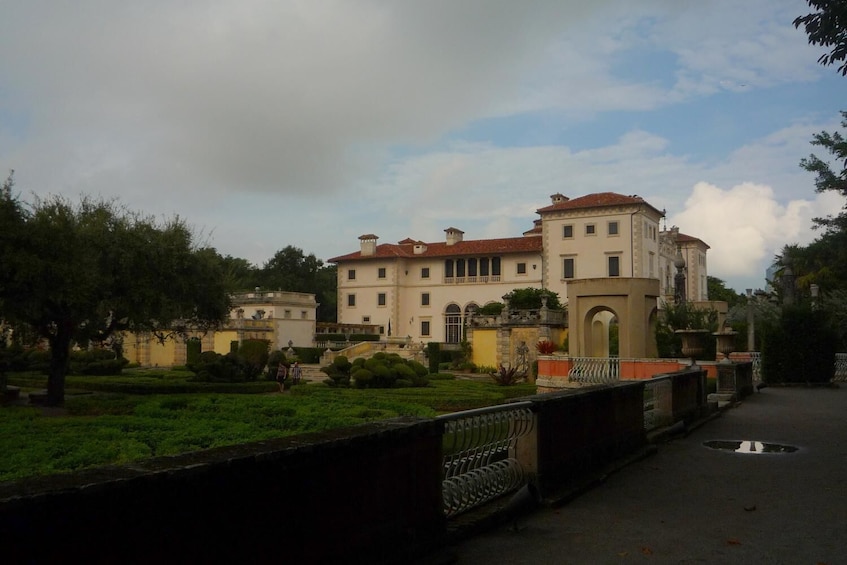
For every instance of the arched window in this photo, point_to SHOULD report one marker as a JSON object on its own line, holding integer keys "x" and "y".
{"x": 453, "y": 324}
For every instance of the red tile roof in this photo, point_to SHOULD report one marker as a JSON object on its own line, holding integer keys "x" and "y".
{"x": 441, "y": 249}
{"x": 683, "y": 238}
{"x": 598, "y": 200}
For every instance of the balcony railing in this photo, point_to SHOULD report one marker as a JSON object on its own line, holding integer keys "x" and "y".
{"x": 595, "y": 370}
{"x": 840, "y": 367}
{"x": 472, "y": 279}
{"x": 480, "y": 462}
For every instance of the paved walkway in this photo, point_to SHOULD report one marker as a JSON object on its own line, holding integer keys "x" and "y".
{"x": 692, "y": 504}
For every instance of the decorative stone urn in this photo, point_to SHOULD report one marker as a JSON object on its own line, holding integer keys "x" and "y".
{"x": 693, "y": 343}
{"x": 726, "y": 343}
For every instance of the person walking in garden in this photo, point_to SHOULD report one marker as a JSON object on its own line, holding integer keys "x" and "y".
{"x": 296, "y": 372}
{"x": 281, "y": 375}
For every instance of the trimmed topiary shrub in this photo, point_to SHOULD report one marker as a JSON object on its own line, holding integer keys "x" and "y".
{"x": 433, "y": 355}
{"x": 380, "y": 371}
{"x": 193, "y": 349}
{"x": 253, "y": 355}
{"x": 363, "y": 378}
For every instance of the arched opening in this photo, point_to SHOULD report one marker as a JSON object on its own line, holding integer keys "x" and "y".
{"x": 453, "y": 324}
{"x": 601, "y": 333}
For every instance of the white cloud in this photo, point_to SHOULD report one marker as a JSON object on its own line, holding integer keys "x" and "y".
{"x": 745, "y": 226}
{"x": 272, "y": 123}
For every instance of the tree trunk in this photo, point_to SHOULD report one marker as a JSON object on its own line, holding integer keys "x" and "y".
{"x": 60, "y": 351}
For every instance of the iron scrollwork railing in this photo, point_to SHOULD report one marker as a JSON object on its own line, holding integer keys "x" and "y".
{"x": 480, "y": 462}
{"x": 756, "y": 358}
{"x": 840, "y": 367}
{"x": 595, "y": 370}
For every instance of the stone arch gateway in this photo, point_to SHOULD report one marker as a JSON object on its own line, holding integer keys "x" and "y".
{"x": 633, "y": 301}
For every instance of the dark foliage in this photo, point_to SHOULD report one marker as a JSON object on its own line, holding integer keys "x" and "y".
{"x": 505, "y": 376}
{"x": 827, "y": 27}
{"x": 800, "y": 347}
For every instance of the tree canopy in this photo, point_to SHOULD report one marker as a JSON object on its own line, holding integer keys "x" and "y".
{"x": 292, "y": 270}
{"x": 827, "y": 27}
{"x": 76, "y": 273}
{"x": 717, "y": 290}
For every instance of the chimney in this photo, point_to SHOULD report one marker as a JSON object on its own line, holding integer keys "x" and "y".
{"x": 558, "y": 198}
{"x": 454, "y": 235}
{"x": 367, "y": 243}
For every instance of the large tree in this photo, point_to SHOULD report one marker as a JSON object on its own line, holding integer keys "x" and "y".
{"x": 828, "y": 179}
{"x": 292, "y": 270}
{"x": 717, "y": 290}
{"x": 76, "y": 273}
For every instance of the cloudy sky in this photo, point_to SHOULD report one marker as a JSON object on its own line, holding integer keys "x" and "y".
{"x": 267, "y": 123}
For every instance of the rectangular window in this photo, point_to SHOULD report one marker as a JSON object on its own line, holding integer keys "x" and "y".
{"x": 521, "y": 268}
{"x": 569, "y": 268}
{"x": 351, "y": 300}
{"x": 495, "y": 266}
{"x": 614, "y": 266}
{"x": 460, "y": 267}
{"x": 424, "y": 299}
{"x": 366, "y": 319}
{"x": 303, "y": 314}
{"x": 425, "y": 328}
{"x": 287, "y": 314}
{"x": 567, "y": 231}
{"x": 472, "y": 267}
{"x": 424, "y": 272}
{"x": 448, "y": 268}
{"x": 613, "y": 228}
{"x": 589, "y": 229}
{"x": 483, "y": 267}
{"x": 380, "y": 274}
{"x": 380, "y": 299}
{"x": 351, "y": 274}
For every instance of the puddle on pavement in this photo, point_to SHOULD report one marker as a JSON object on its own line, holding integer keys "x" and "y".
{"x": 748, "y": 446}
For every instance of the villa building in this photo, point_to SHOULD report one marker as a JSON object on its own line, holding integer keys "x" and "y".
{"x": 282, "y": 318}
{"x": 427, "y": 291}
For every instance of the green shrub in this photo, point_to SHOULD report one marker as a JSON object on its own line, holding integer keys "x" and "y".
{"x": 308, "y": 354}
{"x": 433, "y": 355}
{"x": 100, "y": 362}
{"x": 217, "y": 368}
{"x": 363, "y": 378}
{"x": 341, "y": 363}
{"x": 253, "y": 355}
{"x": 491, "y": 309}
{"x": 530, "y": 299}
{"x": 364, "y": 337}
{"x": 505, "y": 377}
{"x": 441, "y": 377}
{"x": 418, "y": 368}
{"x": 104, "y": 368}
{"x": 193, "y": 349}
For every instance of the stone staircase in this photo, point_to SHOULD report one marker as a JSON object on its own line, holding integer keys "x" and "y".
{"x": 367, "y": 349}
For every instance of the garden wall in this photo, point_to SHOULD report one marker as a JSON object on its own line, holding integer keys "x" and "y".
{"x": 366, "y": 494}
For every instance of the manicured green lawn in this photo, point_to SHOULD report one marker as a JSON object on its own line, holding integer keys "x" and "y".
{"x": 104, "y": 428}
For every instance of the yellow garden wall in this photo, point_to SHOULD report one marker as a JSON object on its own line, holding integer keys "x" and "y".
{"x": 484, "y": 351}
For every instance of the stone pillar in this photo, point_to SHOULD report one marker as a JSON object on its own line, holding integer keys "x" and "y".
{"x": 751, "y": 332}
